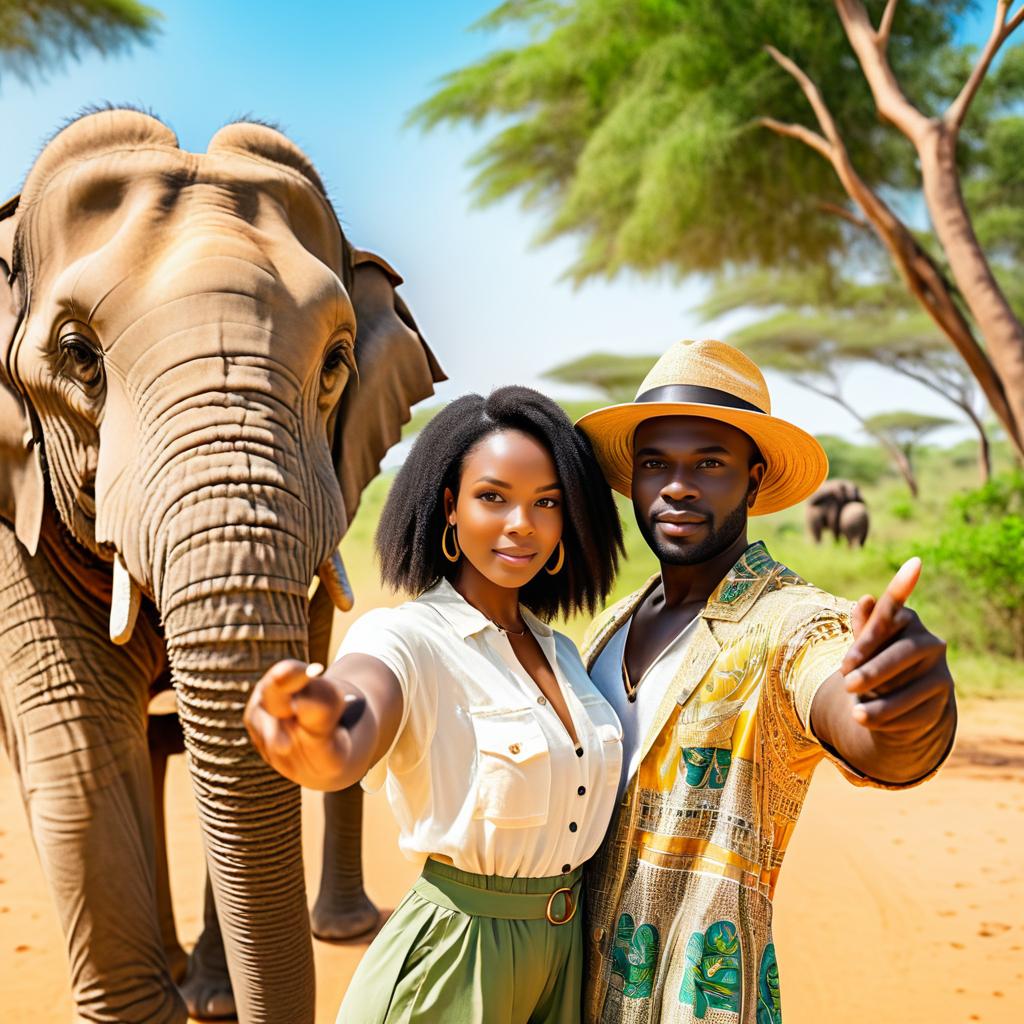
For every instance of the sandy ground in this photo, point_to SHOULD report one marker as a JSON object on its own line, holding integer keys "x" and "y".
{"x": 903, "y": 907}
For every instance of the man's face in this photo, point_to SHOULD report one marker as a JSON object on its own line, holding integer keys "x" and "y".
{"x": 692, "y": 485}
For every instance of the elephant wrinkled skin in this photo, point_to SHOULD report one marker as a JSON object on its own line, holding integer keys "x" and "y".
{"x": 198, "y": 377}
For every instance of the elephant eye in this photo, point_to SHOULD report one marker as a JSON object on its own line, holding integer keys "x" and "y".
{"x": 80, "y": 361}
{"x": 337, "y": 364}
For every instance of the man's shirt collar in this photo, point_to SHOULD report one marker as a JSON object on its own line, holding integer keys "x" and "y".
{"x": 742, "y": 584}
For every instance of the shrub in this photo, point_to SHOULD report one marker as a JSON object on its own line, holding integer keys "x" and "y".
{"x": 901, "y": 508}
{"x": 979, "y": 560}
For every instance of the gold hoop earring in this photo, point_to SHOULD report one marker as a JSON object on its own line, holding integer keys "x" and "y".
{"x": 455, "y": 543}
{"x": 559, "y": 563}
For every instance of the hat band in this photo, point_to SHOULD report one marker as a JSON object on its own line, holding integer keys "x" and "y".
{"x": 695, "y": 394}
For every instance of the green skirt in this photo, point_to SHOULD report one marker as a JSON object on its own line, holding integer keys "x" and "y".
{"x": 474, "y": 949}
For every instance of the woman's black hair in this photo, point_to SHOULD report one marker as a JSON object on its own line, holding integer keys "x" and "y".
{"x": 409, "y": 533}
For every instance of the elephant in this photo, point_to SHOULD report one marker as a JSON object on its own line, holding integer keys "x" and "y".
{"x": 823, "y": 507}
{"x": 199, "y": 375}
{"x": 853, "y": 523}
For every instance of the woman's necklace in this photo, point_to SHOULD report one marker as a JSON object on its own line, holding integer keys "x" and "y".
{"x": 508, "y": 632}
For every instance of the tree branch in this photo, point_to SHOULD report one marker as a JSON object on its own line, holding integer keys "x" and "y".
{"x": 811, "y": 91}
{"x": 885, "y": 26}
{"x": 798, "y": 131}
{"x": 869, "y": 47}
{"x": 848, "y": 215}
{"x": 1001, "y": 30}
{"x": 920, "y": 272}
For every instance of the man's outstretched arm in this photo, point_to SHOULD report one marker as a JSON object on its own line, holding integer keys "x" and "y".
{"x": 890, "y": 710}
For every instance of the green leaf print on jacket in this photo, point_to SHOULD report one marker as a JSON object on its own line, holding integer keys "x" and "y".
{"x": 706, "y": 767}
{"x": 712, "y": 972}
{"x": 769, "y": 1003}
{"x": 635, "y": 957}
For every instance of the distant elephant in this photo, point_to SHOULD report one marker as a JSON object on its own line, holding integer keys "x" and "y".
{"x": 823, "y": 507}
{"x": 198, "y": 377}
{"x": 853, "y": 523}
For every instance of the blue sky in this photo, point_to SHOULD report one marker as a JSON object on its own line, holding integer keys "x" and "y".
{"x": 340, "y": 78}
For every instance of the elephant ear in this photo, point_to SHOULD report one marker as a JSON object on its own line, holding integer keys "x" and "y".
{"x": 22, "y": 490}
{"x": 395, "y": 370}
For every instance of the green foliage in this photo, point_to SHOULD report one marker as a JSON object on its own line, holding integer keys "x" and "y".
{"x": 980, "y": 556}
{"x": 634, "y": 124}
{"x": 36, "y": 35}
{"x": 901, "y": 507}
{"x": 615, "y": 377}
{"x": 905, "y": 429}
{"x": 864, "y": 464}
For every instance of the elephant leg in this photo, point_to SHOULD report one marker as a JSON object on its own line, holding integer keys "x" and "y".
{"x": 207, "y": 988}
{"x": 342, "y": 909}
{"x": 164, "y": 738}
{"x": 73, "y": 714}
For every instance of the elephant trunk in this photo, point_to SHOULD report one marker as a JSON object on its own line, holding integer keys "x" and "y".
{"x": 235, "y": 544}
{"x": 219, "y": 644}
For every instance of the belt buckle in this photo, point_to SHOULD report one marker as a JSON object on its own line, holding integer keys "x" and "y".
{"x": 573, "y": 904}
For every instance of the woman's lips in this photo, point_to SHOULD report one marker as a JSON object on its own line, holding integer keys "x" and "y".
{"x": 515, "y": 557}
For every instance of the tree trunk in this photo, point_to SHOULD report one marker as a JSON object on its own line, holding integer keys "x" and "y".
{"x": 1002, "y": 331}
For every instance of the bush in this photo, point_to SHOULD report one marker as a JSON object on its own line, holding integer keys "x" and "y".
{"x": 901, "y": 508}
{"x": 979, "y": 557}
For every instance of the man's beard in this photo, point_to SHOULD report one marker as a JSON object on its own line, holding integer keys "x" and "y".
{"x": 721, "y": 536}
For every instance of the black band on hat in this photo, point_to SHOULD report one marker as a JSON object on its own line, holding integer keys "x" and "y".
{"x": 695, "y": 394}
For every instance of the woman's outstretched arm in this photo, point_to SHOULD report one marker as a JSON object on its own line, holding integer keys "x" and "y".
{"x": 324, "y": 729}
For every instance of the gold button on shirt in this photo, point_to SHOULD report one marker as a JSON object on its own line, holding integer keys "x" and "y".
{"x": 482, "y": 771}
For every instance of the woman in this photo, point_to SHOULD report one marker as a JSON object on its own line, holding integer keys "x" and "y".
{"x": 500, "y": 756}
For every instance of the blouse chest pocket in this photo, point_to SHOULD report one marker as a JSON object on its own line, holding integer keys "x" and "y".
{"x": 513, "y": 768}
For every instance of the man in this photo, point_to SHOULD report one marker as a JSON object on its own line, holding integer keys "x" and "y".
{"x": 733, "y": 678}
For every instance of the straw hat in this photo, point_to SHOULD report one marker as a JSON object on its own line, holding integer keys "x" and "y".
{"x": 718, "y": 382}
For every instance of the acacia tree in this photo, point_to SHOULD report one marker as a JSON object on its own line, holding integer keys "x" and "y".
{"x": 38, "y": 34}
{"x": 906, "y": 430}
{"x": 661, "y": 133}
{"x": 615, "y": 377}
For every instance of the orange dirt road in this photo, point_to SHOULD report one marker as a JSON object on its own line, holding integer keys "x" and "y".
{"x": 903, "y": 908}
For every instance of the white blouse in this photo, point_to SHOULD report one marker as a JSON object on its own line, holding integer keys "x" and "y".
{"x": 482, "y": 770}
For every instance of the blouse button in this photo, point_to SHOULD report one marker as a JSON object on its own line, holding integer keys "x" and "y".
{"x": 513, "y": 748}
{"x": 573, "y": 826}
{"x": 581, "y": 790}
{"x": 566, "y": 868}
{"x": 542, "y": 700}
{"x": 579, "y": 751}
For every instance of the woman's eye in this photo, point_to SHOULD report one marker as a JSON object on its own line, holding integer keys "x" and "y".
{"x": 548, "y": 503}
{"x": 710, "y": 463}
{"x": 652, "y": 464}
{"x": 491, "y": 496}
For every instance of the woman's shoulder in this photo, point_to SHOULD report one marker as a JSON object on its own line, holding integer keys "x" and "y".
{"x": 411, "y": 622}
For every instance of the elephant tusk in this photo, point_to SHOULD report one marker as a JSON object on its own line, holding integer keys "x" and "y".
{"x": 334, "y": 577}
{"x": 124, "y": 604}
